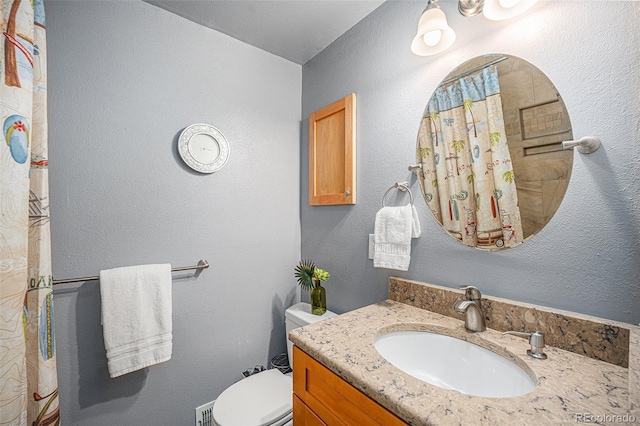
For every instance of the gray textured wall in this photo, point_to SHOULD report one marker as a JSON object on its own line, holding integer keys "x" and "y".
{"x": 124, "y": 79}
{"x": 587, "y": 258}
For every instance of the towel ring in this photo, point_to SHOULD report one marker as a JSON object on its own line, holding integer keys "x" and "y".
{"x": 401, "y": 186}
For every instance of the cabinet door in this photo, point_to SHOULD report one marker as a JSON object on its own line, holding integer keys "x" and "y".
{"x": 303, "y": 416}
{"x": 332, "y": 153}
{"x": 335, "y": 401}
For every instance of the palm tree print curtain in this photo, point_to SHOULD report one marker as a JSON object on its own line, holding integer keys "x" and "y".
{"x": 28, "y": 377}
{"x": 467, "y": 177}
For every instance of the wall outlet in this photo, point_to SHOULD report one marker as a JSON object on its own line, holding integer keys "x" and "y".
{"x": 204, "y": 414}
{"x": 371, "y": 242}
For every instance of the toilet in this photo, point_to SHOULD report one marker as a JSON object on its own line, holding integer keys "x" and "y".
{"x": 265, "y": 399}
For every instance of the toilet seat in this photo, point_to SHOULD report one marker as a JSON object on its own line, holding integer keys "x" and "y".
{"x": 263, "y": 399}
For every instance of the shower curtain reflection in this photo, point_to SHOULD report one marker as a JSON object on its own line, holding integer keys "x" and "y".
{"x": 467, "y": 176}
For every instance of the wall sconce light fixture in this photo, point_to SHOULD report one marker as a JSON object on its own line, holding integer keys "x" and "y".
{"x": 497, "y": 10}
{"x": 435, "y": 35}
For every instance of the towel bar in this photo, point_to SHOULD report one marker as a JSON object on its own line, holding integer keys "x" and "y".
{"x": 202, "y": 264}
{"x": 401, "y": 186}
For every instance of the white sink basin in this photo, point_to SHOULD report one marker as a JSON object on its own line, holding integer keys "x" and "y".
{"x": 454, "y": 364}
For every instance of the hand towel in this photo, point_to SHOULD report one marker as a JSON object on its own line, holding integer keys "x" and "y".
{"x": 136, "y": 316}
{"x": 394, "y": 227}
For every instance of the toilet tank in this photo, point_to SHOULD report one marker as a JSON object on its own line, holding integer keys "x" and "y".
{"x": 300, "y": 315}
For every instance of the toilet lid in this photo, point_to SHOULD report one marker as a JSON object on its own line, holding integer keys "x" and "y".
{"x": 258, "y": 400}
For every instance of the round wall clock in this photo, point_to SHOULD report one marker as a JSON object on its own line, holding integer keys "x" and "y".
{"x": 203, "y": 148}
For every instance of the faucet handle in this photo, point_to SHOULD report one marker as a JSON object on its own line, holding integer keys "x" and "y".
{"x": 536, "y": 340}
{"x": 471, "y": 292}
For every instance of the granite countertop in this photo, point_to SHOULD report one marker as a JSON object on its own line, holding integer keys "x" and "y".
{"x": 568, "y": 385}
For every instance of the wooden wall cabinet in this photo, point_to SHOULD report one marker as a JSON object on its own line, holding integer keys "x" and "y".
{"x": 323, "y": 398}
{"x": 332, "y": 153}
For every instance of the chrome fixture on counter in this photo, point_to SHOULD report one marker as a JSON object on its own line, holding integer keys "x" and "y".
{"x": 471, "y": 308}
{"x": 536, "y": 340}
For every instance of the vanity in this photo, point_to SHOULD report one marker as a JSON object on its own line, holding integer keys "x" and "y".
{"x": 322, "y": 397}
{"x": 340, "y": 377}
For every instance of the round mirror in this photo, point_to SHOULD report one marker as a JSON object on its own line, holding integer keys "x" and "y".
{"x": 490, "y": 147}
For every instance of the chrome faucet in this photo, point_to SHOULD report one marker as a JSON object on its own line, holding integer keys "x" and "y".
{"x": 536, "y": 340}
{"x": 471, "y": 308}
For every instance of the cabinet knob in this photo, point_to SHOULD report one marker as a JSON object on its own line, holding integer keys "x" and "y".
{"x": 347, "y": 193}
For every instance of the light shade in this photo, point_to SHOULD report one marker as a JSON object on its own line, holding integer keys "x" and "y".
{"x": 497, "y": 10}
{"x": 440, "y": 36}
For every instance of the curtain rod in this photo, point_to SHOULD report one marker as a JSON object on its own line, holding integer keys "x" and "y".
{"x": 471, "y": 71}
{"x": 202, "y": 264}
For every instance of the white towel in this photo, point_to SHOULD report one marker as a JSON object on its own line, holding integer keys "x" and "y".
{"x": 394, "y": 228}
{"x": 136, "y": 316}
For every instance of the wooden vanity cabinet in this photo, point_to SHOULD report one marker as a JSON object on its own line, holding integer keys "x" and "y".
{"x": 323, "y": 398}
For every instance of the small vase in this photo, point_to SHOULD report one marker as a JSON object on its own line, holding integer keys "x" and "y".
{"x": 318, "y": 300}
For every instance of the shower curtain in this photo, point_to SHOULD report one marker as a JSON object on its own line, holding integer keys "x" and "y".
{"x": 28, "y": 377}
{"x": 468, "y": 178}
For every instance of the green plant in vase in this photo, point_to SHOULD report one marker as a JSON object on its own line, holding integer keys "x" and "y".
{"x": 310, "y": 278}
